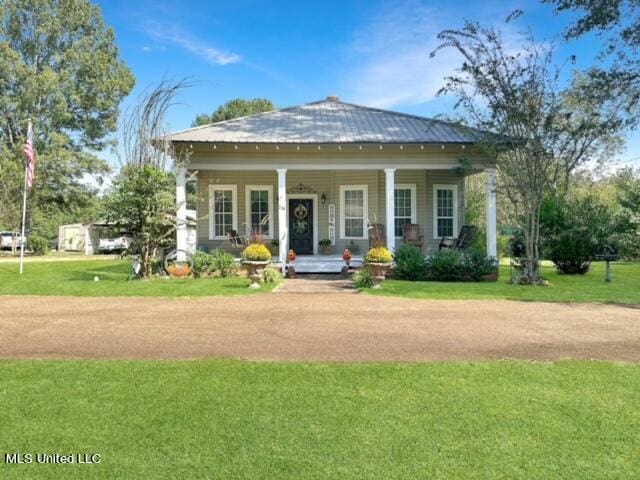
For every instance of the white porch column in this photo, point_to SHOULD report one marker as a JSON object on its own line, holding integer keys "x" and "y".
{"x": 492, "y": 237}
{"x": 282, "y": 216}
{"x": 390, "y": 185}
{"x": 181, "y": 211}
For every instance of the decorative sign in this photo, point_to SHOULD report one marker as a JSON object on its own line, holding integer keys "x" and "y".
{"x": 301, "y": 188}
{"x": 332, "y": 223}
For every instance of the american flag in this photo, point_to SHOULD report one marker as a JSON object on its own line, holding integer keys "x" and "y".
{"x": 30, "y": 153}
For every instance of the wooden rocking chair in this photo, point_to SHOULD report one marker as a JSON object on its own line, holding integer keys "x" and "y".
{"x": 464, "y": 240}
{"x": 237, "y": 241}
{"x": 411, "y": 235}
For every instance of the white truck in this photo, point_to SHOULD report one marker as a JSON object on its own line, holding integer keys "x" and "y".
{"x": 7, "y": 239}
{"x": 115, "y": 244}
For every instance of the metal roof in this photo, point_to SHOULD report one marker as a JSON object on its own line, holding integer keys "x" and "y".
{"x": 329, "y": 121}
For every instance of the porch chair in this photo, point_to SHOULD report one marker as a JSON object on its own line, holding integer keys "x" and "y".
{"x": 411, "y": 235}
{"x": 464, "y": 240}
{"x": 237, "y": 241}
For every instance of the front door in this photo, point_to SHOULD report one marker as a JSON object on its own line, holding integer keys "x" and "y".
{"x": 301, "y": 225}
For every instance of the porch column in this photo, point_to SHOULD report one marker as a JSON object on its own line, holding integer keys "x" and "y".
{"x": 282, "y": 216}
{"x": 390, "y": 185}
{"x": 181, "y": 212}
{"x": 492, "y": 238}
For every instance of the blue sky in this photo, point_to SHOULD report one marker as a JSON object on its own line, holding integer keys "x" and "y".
{"x": 369, "y": 52}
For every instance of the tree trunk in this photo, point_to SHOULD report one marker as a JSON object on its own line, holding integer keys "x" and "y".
{"x": 532, "y": 244}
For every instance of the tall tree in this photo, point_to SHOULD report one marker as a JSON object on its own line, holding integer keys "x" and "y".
{"x": 238, "y": 107}
{"x": 142, "y": 198}
{"x": 541, "y": 130}
{"x": 59, "y": 68}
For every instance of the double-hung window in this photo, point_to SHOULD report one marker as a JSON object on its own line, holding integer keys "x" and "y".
{"x": 259, "y": 209}
{"x": 354, "y": 211}
{"x": 404, "y": 204}
{"x": 445, "y": 207}
{"x": 223, "y": 208}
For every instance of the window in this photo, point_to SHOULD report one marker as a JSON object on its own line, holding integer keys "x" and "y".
{"x": 445, "y": 206}
{"x": 353, "y": 199}
{"x": 404, "y": 207}
{"x": 222, "y": 211}
{"x": 259, "y": 206}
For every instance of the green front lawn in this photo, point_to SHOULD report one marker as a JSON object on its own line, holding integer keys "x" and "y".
{"x": 232, "y": 419}
{"x": 77, "y": 278}
{"x": 591, "y": 287}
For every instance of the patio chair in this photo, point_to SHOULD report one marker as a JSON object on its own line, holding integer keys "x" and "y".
{"x": 237, "y": 241}
{"x": 411, "y": 235}
{"x": 464, "y": 240}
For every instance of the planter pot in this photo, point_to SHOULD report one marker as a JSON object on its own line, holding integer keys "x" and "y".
{"x": 291, "y": 271}
{"x": 379, "y": 271}
{"x": 254, "y": 271}
{"x": 326, "y": 249}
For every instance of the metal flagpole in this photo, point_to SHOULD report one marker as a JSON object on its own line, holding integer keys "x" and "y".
{"x": 24, "y": 213}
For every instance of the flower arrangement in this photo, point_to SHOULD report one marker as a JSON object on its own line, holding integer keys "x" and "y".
{"x": 379, "y": 255}
{"x": 256, "y": 252}
{"x": 179, "y": 270}
{"x": 291, "y": 256}
{"x": 346, "y": 255}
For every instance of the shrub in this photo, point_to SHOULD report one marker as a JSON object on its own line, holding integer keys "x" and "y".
{"x": 224, "y": 263}
{"x": 410, "y": 263}
{"x": 575, "y": 231}
{"x": 271, "y": 275}
{"x": 218, "y": 262}
{"x": 256, "y": 252}
{"x": 38, "y": 245}
{"x": 379, "y": 255}
{"x": 451, "y": 265}
{"x": 363, "y": 278}
{"x": 324, "y": 242}
{"x": 572, "y": 252}
{"x": 203, "y": 263}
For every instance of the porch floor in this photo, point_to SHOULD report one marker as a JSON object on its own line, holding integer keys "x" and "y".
{"x": 322, "y": 263}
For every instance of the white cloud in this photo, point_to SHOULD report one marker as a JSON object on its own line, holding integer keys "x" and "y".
{"x": 389, "y": 57}
{"x": 189, "y": 42}
{"x": 146, "y": 49}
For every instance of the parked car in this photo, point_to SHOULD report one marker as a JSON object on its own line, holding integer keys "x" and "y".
{"x": 6, "y": 240}
{"x": 115, "y": 244}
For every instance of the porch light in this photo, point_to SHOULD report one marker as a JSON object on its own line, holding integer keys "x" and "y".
{"x": 323, "y": 199}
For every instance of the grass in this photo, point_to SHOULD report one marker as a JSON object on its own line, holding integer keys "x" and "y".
{"x": 232, "y": 419}
{"x": 591, "y": 287}
{"x": 77, "y": 278}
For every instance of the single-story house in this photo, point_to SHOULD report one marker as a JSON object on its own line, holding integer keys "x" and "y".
{"x": 328, "y": 170}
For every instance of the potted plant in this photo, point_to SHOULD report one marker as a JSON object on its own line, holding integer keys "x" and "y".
{"x": 379, "y": 260}
{"x": 255, "y": 258}
{"x": 291, "y": 260}
{"x": 325, "y": 246}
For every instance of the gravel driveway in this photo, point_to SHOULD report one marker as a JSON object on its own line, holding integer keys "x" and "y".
{"x": 315, "y": 327}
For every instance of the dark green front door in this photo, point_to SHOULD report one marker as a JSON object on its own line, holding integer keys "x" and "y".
{"x": 301, "y": 225}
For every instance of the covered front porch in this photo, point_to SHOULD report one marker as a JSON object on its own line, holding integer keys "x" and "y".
{"x": 335, "y": 205}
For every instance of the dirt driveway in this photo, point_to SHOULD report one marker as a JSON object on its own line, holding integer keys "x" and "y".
{"x": 325, "y": 327}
